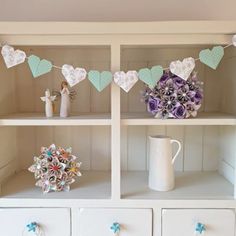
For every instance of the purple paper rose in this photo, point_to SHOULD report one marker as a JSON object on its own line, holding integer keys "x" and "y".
{"x": 180, "y": 112}
{"x": 153, "y": 105}
{"x": 198, "y": 96}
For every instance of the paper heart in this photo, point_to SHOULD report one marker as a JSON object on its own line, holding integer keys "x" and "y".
{"x": 183, "y": 69}
{"x": 212, "y": 57}
{"x": 12, "y": 57}
{"x": 73, "y": 76}
{"x": 234, "y": 40}
{"x": 39, "y": 67}
{"x": 100, "y": 80}
{"x": 151, "y": 77}
{"x": 126, "y": 80}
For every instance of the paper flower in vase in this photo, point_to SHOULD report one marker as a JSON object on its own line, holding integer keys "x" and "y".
{"x": 55, "y": 169}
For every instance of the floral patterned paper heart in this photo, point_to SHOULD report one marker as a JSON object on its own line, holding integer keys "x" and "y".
{"x": 12, "y": 57}
{"x": 126, "y": 80}
{"x": 183, "y": 69}
{"x": 73, "y": 76}
{"x": 151, "y": 77}
{"x": 234, "y": 40}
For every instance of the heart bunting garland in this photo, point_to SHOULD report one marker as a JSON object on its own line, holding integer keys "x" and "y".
{"x": 12, "y": 57}
{"x": 73, "y": 76}
{"x": 39, "y": 67}
{"x": 126, "y": 80}
{"x": 183, "y": 69}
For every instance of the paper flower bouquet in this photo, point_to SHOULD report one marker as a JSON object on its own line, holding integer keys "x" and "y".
{"x": 55, "y": 169}
{"x": 173, "y": 97}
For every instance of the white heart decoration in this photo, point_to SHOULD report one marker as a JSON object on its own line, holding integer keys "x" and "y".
{"x": 73, "y": 76}
{"x": 183, "y": 69}
{"x": 126, "y": 80}
{"x": 12, "y": 57}
{"x": 234, "y": 40}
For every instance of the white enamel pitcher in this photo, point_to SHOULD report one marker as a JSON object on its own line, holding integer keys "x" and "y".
{"x": 161, "y": 170}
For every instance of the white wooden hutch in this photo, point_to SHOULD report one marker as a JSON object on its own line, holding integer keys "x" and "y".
{"x": 109, "y": 131}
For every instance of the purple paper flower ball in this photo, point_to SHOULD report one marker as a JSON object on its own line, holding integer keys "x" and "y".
{"x": 173, "y": 97}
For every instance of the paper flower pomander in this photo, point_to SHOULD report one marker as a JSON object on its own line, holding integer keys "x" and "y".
{"x": 55, "y": 169}
{"x": 173, "y": 97}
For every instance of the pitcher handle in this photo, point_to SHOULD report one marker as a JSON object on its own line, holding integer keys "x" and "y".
{"x": 178, "y": 151}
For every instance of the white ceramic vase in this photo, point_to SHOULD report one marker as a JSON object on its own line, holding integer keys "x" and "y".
{"x": 161, "y": 170}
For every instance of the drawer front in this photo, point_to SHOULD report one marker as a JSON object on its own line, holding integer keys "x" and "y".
{"x": 52, "y": 222}
{"x": 207, "y": 222}
{"x": 132, "y": 222}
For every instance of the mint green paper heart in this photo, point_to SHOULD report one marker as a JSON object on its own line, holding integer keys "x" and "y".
{"x": 151, "y": 77}
{"x": 212, "y": 57}
{"x": 100, "y": 80}
{"x": 39, "y": 67}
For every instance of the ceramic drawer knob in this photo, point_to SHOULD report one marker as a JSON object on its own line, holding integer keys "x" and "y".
{"x": 33, "y": 228}
{"x": 115, "y": 228}
{"x": 200, "y": 228}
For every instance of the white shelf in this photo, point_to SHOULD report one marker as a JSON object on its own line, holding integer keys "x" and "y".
{"x": 92, "y": 185}
{"x": 189, "y": 185}
{"x": 206, "y": 118}
{"x": 39, "y": 119}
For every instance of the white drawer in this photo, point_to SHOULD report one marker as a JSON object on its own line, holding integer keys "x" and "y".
{"x": 133, "y": 222}
{"x": 183, "y": 222}
{"x": 53, "y": 222}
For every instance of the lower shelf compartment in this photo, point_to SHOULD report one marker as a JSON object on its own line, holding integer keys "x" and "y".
{"x": 92, "y": 185}
{"x": 188, "y": 185}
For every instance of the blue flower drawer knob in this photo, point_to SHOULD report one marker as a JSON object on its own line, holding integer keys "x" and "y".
{"x": 200, "y": 228}
{"x": 33, "y": 228}
{"x": 115, "y": 228}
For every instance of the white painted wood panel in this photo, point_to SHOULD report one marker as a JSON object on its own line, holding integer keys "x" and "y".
{"x": 137, "y": 148}
{"x": 124, "y": 148}
{"x": 100, "y": 148}
{"x": 183, "y": 222}
{"x": 27, "y": 145}
{"x": 133, "y": 222}
{"x": 193, "y": 148}
{"x": 8, "y": 145}
{"x": 211, "y": 148}
{"x": 8, "y": 91}
{"x": 227, "y": 142}
{"x": 91, "y": 145}
{"x": 52, "y": 221}
{"x": 81, "y": 139}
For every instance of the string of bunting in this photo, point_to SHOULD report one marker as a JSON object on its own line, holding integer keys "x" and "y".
{"x": 125, "y": 80}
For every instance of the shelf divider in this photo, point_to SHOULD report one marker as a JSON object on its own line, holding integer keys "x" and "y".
{"x": 115, "y": 125}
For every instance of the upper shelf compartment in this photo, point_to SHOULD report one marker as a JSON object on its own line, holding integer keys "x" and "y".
{"x": 219, "y": 85}
{"x": 20, "y": 92}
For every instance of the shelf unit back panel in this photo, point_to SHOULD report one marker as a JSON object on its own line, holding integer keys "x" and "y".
{"x": 21, "y": 92}
{"x": 20, "y": 144}
{"x": 204, "y": 148}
